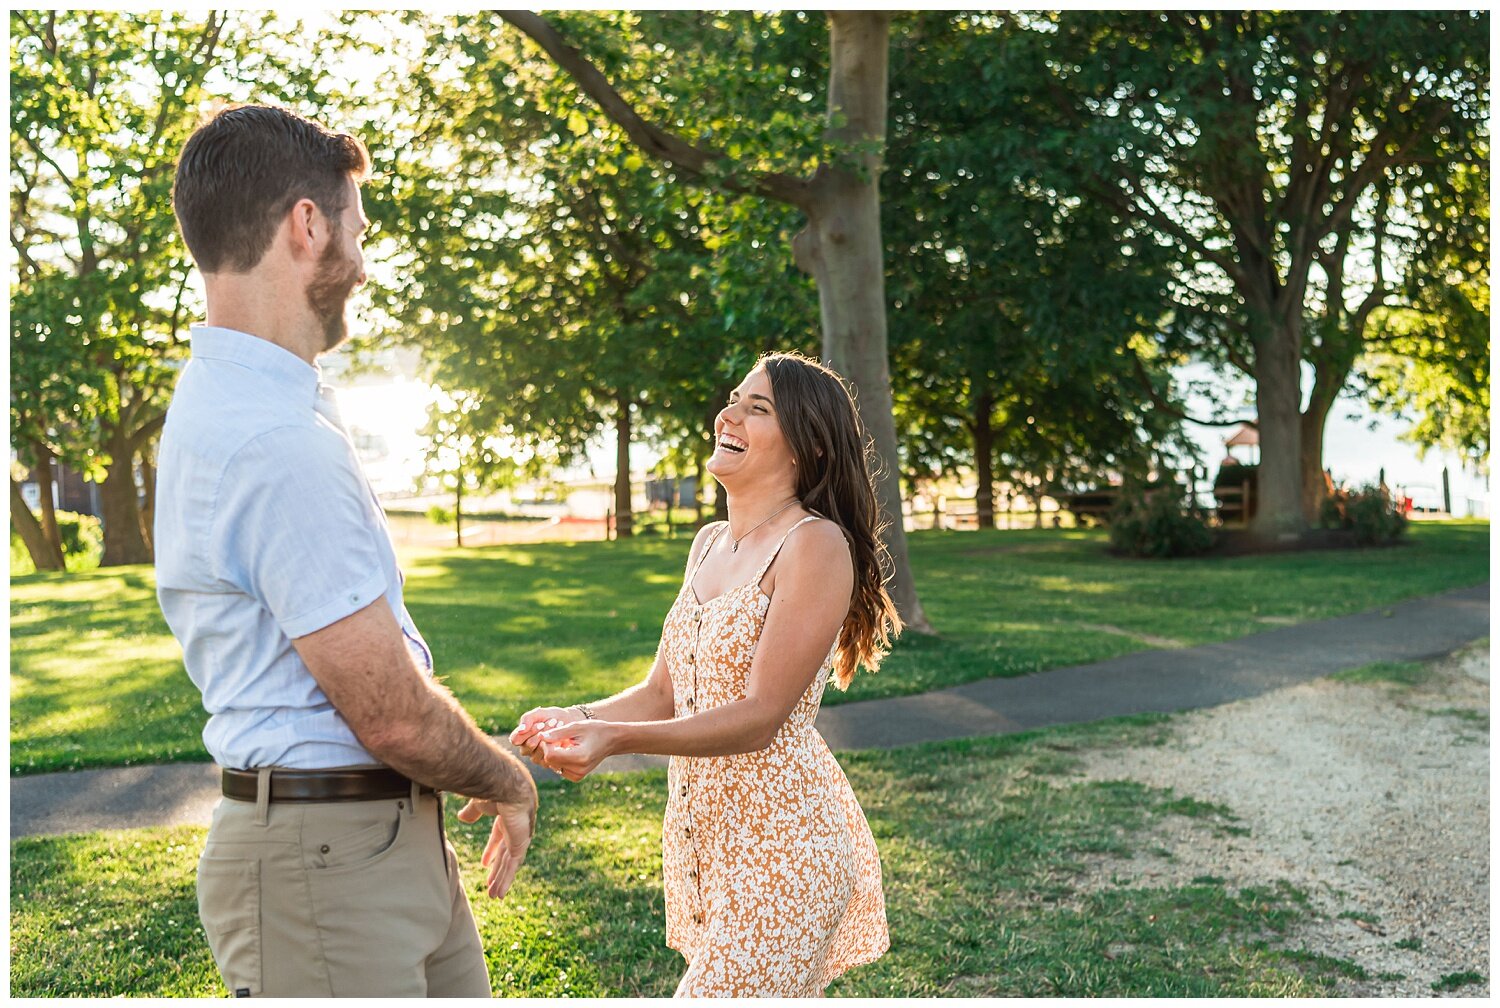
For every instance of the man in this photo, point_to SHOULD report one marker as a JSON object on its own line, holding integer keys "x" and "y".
{"x": 326, "y": 870}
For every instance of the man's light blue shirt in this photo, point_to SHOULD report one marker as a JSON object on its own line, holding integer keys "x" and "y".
{"x": 266, "y": 531}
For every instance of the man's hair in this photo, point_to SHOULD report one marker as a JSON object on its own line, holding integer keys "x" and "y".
{"x": 241, "y": 172}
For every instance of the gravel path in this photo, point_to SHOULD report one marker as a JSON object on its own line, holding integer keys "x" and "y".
{"x": 1372, "y": 798}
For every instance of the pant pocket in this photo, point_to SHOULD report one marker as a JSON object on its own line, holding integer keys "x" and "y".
{"x": 229, "y": 906}
{"x": 351, "y": 846}
{"x": 360, "y": 846}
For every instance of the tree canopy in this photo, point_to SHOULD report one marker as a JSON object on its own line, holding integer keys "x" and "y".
{"x": 101, "y": 104}
{"x": 1266, "y": 149}
{"x": 1006, "y": 229}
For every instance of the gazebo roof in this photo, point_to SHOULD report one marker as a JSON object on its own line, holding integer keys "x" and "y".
{"x": 1246, "y": 435}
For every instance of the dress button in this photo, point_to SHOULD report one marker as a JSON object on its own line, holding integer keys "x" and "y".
{"x": 687, "y": 831}
{"x": 683, "y": 789}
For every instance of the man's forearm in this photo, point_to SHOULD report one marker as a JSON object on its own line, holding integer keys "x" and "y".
{"x": 442, "y": 747}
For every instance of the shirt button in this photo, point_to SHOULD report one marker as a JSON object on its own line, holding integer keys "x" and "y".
{"x": 687, "y": 831}
{"x": 354, "y": 599}
{"x": 683, "y": 789}
{"x": 324, "y": 848}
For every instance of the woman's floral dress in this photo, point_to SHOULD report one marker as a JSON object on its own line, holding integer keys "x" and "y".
{"x": 772, "y": 878}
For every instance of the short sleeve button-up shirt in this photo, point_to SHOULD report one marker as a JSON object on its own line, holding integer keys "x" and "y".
{"x": 266, "y": 531}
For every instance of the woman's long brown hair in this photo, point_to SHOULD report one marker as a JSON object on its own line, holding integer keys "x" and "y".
{"x": 821, "y": 424}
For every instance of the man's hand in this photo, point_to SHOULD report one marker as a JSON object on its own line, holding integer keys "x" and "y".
{"x": 526, "y": 737}
{"x": 509, "y": 838}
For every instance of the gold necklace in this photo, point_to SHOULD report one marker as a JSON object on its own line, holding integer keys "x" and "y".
{"x": 735, "y": 548}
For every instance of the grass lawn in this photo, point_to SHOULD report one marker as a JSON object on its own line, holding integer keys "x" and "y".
{"x": 981, "y": 843}
{"x": 96, "y": 679}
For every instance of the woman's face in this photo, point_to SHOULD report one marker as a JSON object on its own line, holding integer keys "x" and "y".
{"x": 748, "y": 443}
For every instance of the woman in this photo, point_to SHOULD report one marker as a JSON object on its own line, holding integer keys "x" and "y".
{"x": 772, "y": 878}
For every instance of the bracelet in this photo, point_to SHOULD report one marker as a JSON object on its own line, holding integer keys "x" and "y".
{"x": 587, "y": 714}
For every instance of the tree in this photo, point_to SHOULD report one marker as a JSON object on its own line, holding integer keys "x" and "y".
{"x": 464, "y": 454}
{"x": 572, "y": 293}
{"x": 101, "y": 104}
{"x": 840, "y": 245}
{"x": 1430, "y": 358}
{"x": 1022, "y": 310}
{"x": 1263, "y": 147}
{"x": 45, "y": 550}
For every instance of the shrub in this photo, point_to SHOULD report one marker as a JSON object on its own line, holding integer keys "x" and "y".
{"x": 82, "y": 535}
{"x": 82, "y": 538}
{"x": 1368, "y": 511}
{"x": 20, "y": 560}
{"x": 1157, "y": 524}
{"x": 439, "y": 515}
{"x": 1373, "y": 516}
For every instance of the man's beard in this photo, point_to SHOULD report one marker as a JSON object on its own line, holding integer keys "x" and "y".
{"x": 329, "y": 290}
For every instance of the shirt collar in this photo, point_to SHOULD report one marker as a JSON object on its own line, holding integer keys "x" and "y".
{"x": 278, "y": 364}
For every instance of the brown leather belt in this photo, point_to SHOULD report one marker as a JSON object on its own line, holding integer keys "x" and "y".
{"x": 375, "y": 784}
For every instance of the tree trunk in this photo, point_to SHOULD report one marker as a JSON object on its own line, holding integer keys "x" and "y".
{"x": 458, "y": 509}
{"x": 45, "y": 555}
{"x": 698, "y": 473}
{"x": 721, "y": 499}
{"x": 841, "y": 248}
{"x": 1314, "y": 488}
{"x": 148, "y": 489}
{"x": 120, "y": 502}
{"x": 1331, "y": 373}
{"x": 624, "y": 527}
{"x": 984, "y": 462}
{"x": 1278, "y": 407}
{"x": 45, "y": 476}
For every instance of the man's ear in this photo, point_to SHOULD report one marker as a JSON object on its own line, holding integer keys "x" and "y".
{"x": 307, "y": 229}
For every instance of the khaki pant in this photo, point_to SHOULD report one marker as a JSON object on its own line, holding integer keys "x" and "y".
{"x": 338, "y": 899}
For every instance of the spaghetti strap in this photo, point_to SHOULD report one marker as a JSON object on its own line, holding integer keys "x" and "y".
{"x": 770, "y": 559}
{"x": 712, "y": 537}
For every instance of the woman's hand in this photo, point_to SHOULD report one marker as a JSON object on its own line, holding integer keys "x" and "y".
{"x": 575, "y": 749}
{"x": 536, "y": 721}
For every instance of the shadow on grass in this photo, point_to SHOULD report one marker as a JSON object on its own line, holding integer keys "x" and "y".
{"x": 982, "y": 843}
{"x": 97, "y": 679}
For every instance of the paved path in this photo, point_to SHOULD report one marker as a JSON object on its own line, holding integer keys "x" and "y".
{"x": 1167, "y": 680}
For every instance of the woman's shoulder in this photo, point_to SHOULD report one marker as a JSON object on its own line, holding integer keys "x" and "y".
{"x": 705, "y": 533}
{"x": 818, "y": 541}
{"x": 708, "y": 531}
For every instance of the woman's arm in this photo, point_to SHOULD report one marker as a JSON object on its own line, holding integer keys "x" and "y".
{"x": 813, "y": 586}
{"x": 647, "y": 700}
